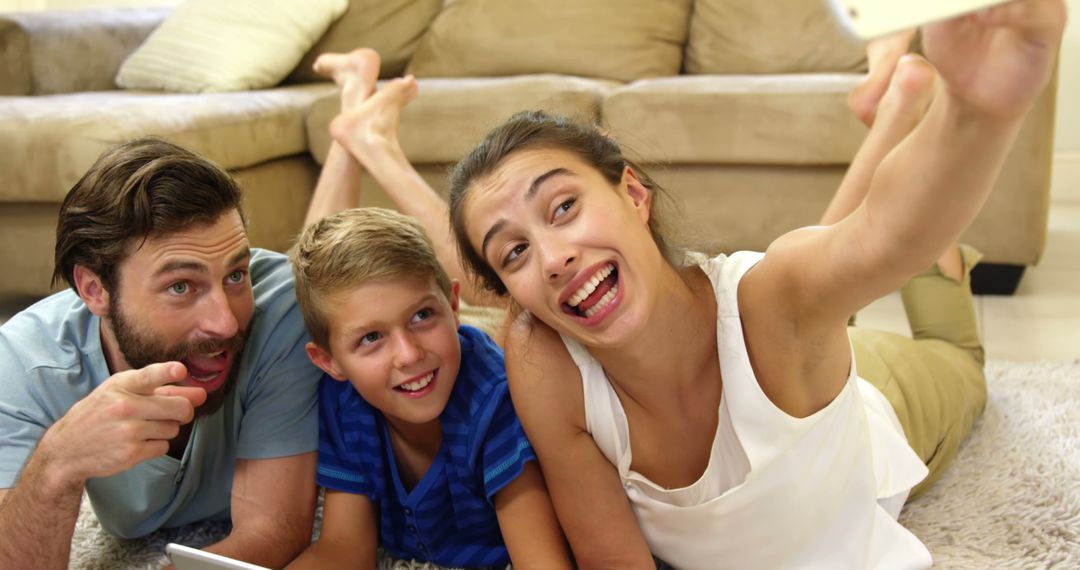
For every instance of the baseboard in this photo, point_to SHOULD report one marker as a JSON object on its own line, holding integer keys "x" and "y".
{"x": 1065, "y": 183}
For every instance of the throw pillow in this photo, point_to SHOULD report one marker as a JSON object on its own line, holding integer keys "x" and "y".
{"x": 391, "y": 27}
{"x": 606, "y": 39}
{"x": 774, "y": 36}
{"x": 228, "y": 45}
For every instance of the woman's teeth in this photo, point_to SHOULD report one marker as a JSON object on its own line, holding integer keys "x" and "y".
{"x": 602, "y": 302}
{"x": 590, "y": 286}
{"x": 419, "y": 384}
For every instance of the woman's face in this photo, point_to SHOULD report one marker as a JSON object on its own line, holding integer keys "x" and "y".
{"x": 571, "y": 249}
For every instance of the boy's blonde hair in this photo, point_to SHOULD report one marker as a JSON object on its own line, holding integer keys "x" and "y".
{"x": 354, "y": 247}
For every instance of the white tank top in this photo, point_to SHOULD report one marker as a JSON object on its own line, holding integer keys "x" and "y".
{"x": 779, "y": 492}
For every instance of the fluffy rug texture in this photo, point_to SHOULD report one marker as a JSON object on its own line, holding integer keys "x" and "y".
{"x": 1011, "y": 499}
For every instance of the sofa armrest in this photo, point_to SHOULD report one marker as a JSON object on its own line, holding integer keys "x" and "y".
{"x": 66, "y": 51}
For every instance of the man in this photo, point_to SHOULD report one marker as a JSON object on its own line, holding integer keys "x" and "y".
{"x": 170, "y": 382}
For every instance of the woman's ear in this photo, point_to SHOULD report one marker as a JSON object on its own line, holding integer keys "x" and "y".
{"x": 638, "y": 193}
{"x": 91, "y": 290}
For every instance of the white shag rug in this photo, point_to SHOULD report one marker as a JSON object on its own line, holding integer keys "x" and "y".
{"x": 1011, "y": 499}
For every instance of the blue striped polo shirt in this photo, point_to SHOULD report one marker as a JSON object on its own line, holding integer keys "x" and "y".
{"x": 449, "y": 517}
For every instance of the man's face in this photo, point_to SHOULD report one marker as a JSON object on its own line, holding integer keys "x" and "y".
{"x": 186, "y": 297}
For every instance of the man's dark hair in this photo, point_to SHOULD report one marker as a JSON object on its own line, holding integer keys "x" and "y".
{"x": 137, "y": 190}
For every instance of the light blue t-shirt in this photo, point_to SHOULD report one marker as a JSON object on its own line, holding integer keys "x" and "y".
{"x": 51, "y": 357}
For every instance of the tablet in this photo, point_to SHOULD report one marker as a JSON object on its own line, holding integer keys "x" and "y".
{"x": 872, "y": 18}
{"x": 187, "y": 558}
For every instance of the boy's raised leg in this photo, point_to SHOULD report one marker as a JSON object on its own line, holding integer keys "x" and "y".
{"x": 366, "y": 138}
{"x": 356, "y": 73}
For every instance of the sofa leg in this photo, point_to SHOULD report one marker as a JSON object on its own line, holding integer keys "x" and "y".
{"x": 996, "y": 278}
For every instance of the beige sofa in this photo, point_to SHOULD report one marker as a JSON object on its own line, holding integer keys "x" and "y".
{"x": 744, "y": 122}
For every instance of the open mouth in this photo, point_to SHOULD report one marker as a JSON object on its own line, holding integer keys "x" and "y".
{"x": 595, "y": 294}
{"x": 207, "y": 368}
{"x": 418, "y": 386}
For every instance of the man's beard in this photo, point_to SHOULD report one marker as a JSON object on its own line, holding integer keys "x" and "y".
{"x": 143, "y": 348}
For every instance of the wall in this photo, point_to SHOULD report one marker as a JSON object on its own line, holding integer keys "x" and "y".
{"x": 1067, "y": 137}
{"x": 12, "y": 5}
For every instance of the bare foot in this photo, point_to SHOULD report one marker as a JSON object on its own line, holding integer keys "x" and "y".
{"x": 370, "y": 129}
{"x": 882, "y": 55}
{"x": 904, "y": 103}
{"x": 355, "y": 72}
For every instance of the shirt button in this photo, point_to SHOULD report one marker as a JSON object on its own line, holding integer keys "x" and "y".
{"x": 412, "y": 529}
{"x": 408, "y": 511}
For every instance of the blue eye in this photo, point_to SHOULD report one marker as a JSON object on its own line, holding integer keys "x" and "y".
{"x": 422, "y": 315}
{"x": 370, "y": 338}
{"x": 237, "y": 276}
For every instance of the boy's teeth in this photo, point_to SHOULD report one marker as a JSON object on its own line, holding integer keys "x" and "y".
{"x": 419, "y": 384}
{"x": 602, "y": 302}
{"x": 590, "y": 285}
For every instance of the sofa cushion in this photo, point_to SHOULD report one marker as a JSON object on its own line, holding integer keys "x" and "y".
{"x": 450, "y": 116}
{"x": 773, "y": 36}
{"x": 63, "y": 51}
{"x": 391, "y": 27}
{"x": 211, "y": 45}
{"x": 609, "y": 39}
{"x": 48, "y": 142}
{"x": 737, "y": 119}
{"x": 14, "y": 56}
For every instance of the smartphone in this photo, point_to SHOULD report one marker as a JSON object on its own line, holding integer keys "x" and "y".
{"x": 869, "y": 19}
{"x": 187, "y": 558}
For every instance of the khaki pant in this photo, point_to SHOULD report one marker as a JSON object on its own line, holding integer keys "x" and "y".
{"x": 935, "y": 381}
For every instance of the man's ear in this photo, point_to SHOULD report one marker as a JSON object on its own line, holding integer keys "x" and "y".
{"x": 455, "y": 300}
{"x": 639, "y": 194}
{"x": 91, "y": 290}
{"x": 325, "y": 361}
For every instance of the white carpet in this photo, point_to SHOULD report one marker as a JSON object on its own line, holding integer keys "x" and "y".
{"x": 1011, "y": 499}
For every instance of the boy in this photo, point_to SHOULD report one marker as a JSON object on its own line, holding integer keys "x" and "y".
{"x": 420, "y": 450}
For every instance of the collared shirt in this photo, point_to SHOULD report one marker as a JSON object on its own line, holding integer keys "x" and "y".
{"x": 449, "y": 516}
{"x": 51, "y": 357}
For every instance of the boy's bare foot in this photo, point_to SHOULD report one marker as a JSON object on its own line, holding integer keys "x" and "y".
{"x": 355, "y": 72}
{"x": 882, "y": 55}
{"x": 369, "y": 129}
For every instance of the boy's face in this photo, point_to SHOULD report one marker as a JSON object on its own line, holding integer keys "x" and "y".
{"x": 396, "y": 342}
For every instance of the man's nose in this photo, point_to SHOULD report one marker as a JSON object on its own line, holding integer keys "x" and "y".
{"x": 218, "y": 320}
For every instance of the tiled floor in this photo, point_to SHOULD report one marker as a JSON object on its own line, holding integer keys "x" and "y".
{"x": 1041, "y": 321}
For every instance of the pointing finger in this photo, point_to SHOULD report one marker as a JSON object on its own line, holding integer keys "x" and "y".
{"x": 194, "y": 394}
{"x": 145, "y": 380}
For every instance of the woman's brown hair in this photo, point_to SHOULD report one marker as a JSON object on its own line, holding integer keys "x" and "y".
{"x": 530, "y": 130}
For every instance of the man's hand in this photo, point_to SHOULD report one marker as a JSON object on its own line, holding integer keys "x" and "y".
{"x": 128, "y": 419}
{"x": 997, "y": 61}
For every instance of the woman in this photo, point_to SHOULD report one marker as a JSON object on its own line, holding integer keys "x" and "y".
{"x": 709, "y": 411}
